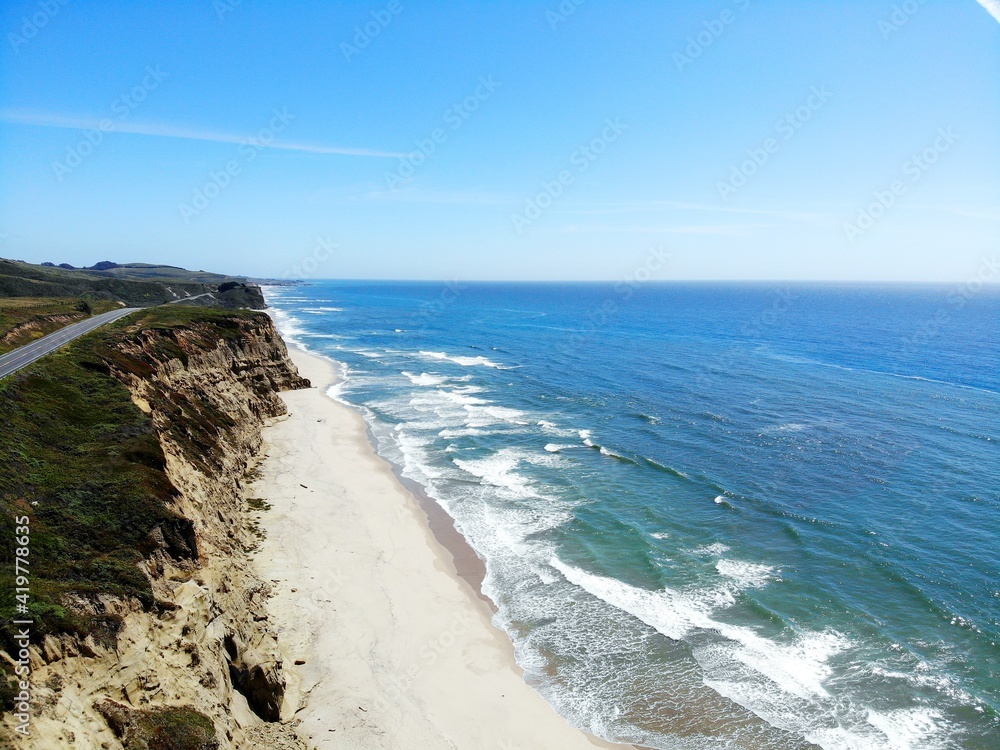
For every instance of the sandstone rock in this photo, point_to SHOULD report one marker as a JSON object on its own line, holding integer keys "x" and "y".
{"x": 52, "y": 649}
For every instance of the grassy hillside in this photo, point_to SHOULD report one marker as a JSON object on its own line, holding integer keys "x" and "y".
{"x": 134, "y": 284}
{"x": 24, "y": 319}
{"x": 152, "y": 272}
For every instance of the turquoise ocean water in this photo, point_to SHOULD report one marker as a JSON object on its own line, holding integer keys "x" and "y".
{"x": 712, "y": 516}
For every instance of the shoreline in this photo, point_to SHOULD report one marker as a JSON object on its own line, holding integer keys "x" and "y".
{"x": 386, "y": 651}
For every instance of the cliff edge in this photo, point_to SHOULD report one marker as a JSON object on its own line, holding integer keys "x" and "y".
{"x": 127, "y": 453}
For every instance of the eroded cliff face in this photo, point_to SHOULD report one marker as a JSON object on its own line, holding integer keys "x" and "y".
{"x": 39, "y": 325}
{"x": 206, "y": 646}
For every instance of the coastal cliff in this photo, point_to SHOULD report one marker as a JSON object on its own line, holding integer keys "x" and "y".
{"x": 129, "y": 451}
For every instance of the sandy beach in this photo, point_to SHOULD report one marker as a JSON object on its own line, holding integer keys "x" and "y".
{"x": 391, "y": 647}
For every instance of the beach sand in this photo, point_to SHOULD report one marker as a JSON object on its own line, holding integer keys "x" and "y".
{"x": 391, "y": 647}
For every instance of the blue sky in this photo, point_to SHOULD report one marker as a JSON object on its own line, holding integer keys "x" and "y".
{"x": 746, "y": 139}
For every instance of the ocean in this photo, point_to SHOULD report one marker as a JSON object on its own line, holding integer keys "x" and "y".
{"x": 712, "y": 515}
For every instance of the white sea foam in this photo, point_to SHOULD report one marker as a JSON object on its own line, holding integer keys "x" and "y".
{"x": 553, "y": 429}
{"x": 463, "y": 398}
{"x": 924, "y": 675}
{"x": 666, "y": 611}
{"x": 782, "y": 680}
{"x": 899, "y": 729}
{"x": 416, "y": 462}
{"x": 660, "y": 535}
{"x": 500, "y": 470}
{"x": 911, "y": 729}
{"x": 459, "y": 360}
{"x": 289, "y": 326}
{"x": 746, "y": 575}
{"x": 426, "y": 379}
{"x": 506, "y": 509}
{"x": 451, "y": 434}
{"x": 485, "y": 416}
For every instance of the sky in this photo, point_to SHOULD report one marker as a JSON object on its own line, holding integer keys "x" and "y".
{"x": 852, "y": 140}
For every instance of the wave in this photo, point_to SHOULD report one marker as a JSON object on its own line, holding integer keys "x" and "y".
{"x": 524, "y": 508}
{"x": 648, "y": 418}
{"x": 587, "y": 437}
{"x": 786, "y": 680}
{"x": 463, "y": 361}
{"x": 553, "y": 429}
{"x": 668, "y": 469}
{"x": 555, "y": 448}
{"x": 451, "y": 434}
{"x": 617, "y": 456}
{"x": 723, "y": 501}
{"x": 799, "y": 666}
{"x": 426, "y": 379}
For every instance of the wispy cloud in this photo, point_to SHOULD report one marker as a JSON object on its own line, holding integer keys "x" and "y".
{"x": 727, "y": 230}
{"x": 47, "y": 120}
{"x": 993, "y": 6}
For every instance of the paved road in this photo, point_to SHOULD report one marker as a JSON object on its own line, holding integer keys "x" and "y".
{"x": 188, "y": 299}
{"x": 25, "y": 355}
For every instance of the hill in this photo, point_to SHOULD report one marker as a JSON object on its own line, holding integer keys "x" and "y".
{"x": 148, "y": 272}
{"x": 131, "y": 284}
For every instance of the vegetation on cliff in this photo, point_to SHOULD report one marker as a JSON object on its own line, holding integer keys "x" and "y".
{"x": 174, "y": 728}
{"x": 24, "y": 319}
{"x": 85, "y": 463}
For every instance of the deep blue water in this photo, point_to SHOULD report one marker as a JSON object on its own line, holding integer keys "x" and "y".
{"x": 713, "y": 516}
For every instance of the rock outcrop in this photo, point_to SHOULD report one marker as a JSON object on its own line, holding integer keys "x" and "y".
{"x": 203, "y": 658}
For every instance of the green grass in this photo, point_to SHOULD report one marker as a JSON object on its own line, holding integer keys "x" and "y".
{"x": 162, "y": 728}
{"x": 258, "y": 504}
{"x": 85, "y": 464}
{"x": 15, "y": 311}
